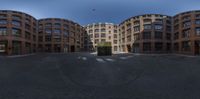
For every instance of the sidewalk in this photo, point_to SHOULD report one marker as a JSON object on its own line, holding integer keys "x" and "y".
{"x": 15, "y": 56}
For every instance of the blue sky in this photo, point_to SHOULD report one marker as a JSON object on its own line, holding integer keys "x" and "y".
{"x": 91, "y": 11}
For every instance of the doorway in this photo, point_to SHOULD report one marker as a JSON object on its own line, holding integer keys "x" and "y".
{"x": 72, "y": 48}
{"x": 197, "y": 48}
{"x": 128, "y": 48}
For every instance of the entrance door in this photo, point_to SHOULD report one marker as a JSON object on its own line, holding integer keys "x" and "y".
{"x": 197, "y": 47}
{"x": 128, "y": 48}
{"x": 72, "y": 48}
{"x": 136, "y": 48}
{"x": 16, "y": 48}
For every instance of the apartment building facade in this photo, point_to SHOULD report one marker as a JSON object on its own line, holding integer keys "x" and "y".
{"x": 18, "y": 33}
{"x": 149, "y": 33}
{"x": 21, "y": 33}
{"x": 60, "y": 35}
{"x": 186, "y": 34}
{"x": 102, "y": 32}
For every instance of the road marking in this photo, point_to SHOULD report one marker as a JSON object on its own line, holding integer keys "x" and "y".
{"x": 79, "y": 57}
{"x": 100, "y": 60}
{"x": 84, "y": 58}
{"x": 123, "y": 57}
{"x": 126, "y": 57}
{"x": 130, "y": 56}
{"x": 109, "y": 59}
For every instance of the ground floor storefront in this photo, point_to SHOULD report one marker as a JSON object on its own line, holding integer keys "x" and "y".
{"x": 16, "y": 47}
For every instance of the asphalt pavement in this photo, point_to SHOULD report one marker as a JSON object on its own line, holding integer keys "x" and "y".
{"x": 87, "y": 76}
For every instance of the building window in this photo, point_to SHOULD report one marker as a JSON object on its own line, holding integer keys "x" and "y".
{"x": 3, "y": 31}
{"x": 3, "y": 16}
{"x": 198, "y": 16}
{"x": 160, "y": 21}
{"x": 34, "y": 38}
{"x": 96, "y": 25}
{"x": 168, "y": 28}
{"x": 27, "y": 35}
{"x": 103, "y": 25}
{"x": 158, "y": 27}
{"x": 136, "y": 22}
{"x": 136, "y": 28}
{"x": 103, "y": 35}
{"x": 146, "y": 35}
{"x": 66, "y": 33}
{"x": 48, "y": 25}
{"x": 176, "y": 46}
{"x": 186, "y": 34}
{"x": 103, "y": 40}
{"x": 72, "y": 34}
{"x": 16, "y": 17}
{"x": 115, "y": 41}
{"x": 136, "y": 37}
{"x": 198, "y": 31}
{"x": 57, "y": 38}
{"x": 158, "y": 35}
{"x": 147, "y": 27}
{"x": 57, "y": 25}
{"x": 186, "y": 45}
{"x": 96, "y": 35}
{"x": 197, "y": 22}
{"x": 65, "y": 26}
{"x": 90, "y": 26}
{"x": 40, "y": 38}
{"x": 115, "y": 31}
{"x": 91, "y": 36}
{"x": 128, "y": 38}
{"x": 48, "y": 31}
{"x": 90, "y": 31}
{"x": 3, "y": 22}
{"x": 168, "y": 47}
{"x": 109, "y": 37}
{"x": 115, "y": 48}
{"x": 16, "y": 32}
{"x": 147, "y": 20}
{"x": 57, "y": 32}
{"x": 176, "y": 35}
{"x": 115, "y": 35}
{"x": 16, "y": 23}
{"x": 47, "y": 38}
{"x": 96, "y": 30}
{"x": 27, "y": 26}
{"x": 40, "y": 26}
{"x": 28, "y": 21}
{"x": 158, "y": 46}
{"x": 187, "y": 24}
{"x": 96, "y": 41}
{"x": 146, "y": 46}
{"x": 103, "y": 30}
{"x": 176, "y": 27}
{"x": 186, "y": 18}
{"x": 168, "y": 36}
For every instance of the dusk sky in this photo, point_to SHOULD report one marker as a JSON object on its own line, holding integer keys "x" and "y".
{"x": 91, "y": 11}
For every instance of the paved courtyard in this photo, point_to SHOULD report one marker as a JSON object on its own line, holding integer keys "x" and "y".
{"x": 86, "y": 76}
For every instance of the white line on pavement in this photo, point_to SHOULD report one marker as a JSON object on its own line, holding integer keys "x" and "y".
{"x": 109, "y": 59}
{"x": 123, "y": 57}
{"x": 79, "y": 57}
{"x": 130, "y": 56}
{"x": 100, "y": 60}
{"x": 84, "y": 58}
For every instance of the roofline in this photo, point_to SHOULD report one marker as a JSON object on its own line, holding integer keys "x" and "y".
{"x": 143, "y": 15}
